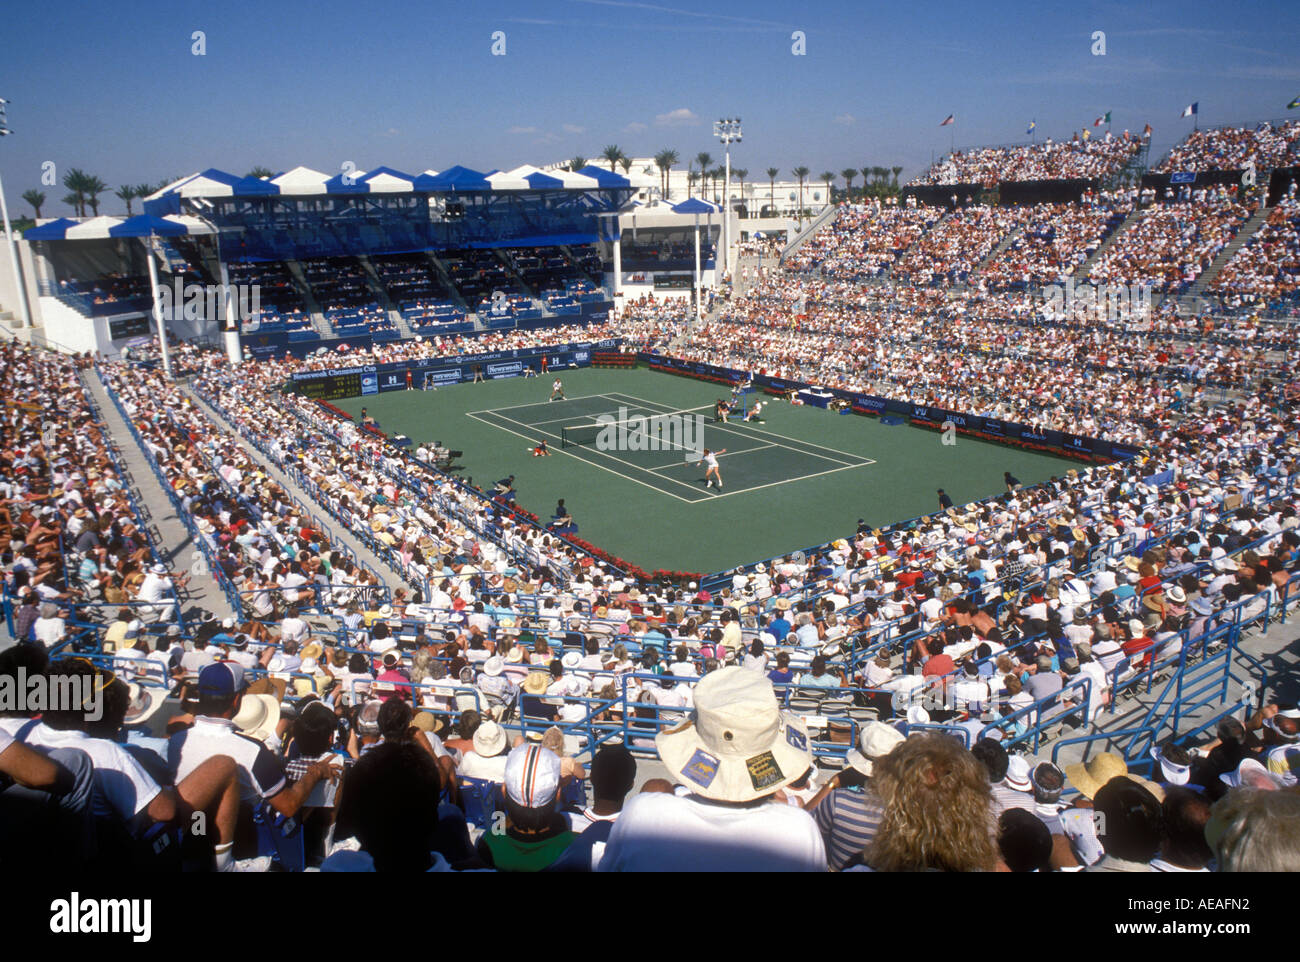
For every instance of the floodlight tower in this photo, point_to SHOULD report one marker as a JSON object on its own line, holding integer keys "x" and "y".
{"x": 728, "y": 131}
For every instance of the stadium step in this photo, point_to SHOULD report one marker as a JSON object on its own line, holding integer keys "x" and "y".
{"x": 1242, "y": 237}
{"x": 336, "y": 531}
{"x": 997, "y": 251}
{"x": 1134, "y": 217}
{"x": 441, "y": 270}
{"x": 823, "y": 218}
{"x": 174, "y": 543}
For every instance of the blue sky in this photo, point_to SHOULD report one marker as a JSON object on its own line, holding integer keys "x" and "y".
{"x": 116, "y": 91}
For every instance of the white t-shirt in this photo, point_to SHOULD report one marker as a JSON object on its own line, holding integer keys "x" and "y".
{"x": 474, "y": 765}
{"x": 122, "y": 786}
{"x": 658, "y": 832}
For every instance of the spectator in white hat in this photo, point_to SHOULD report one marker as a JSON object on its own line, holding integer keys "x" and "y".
{"x": 487, "y": 761}
{"x": 733, "y": 755}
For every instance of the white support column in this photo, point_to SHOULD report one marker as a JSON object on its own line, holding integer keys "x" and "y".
{"x": 20, "y": 289}
{"x": 699, "y": 300}
{"x": 230, "y": 321}
{"x": 157, "y": 307}
{"x": 618, "y": 267}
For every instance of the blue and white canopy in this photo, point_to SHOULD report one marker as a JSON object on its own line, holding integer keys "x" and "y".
{"x": 696, "y": 206}
{"x": 100, "y": 228}
{"x": 306, "y": 182}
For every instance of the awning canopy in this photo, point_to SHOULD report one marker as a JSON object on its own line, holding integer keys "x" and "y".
{"x": 696, "y": 206}
{"x": 100, "y": 228}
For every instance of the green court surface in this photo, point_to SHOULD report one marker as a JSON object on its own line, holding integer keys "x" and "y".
{"x": 802, "y": 476}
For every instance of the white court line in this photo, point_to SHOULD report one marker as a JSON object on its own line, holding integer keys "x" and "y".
{"x": 860, "y": 459}
{"x": 665, "y": 467}
{"x": 533, "y": 404}
{"x": 802, "y": 477}
{"x": 593, "y": 464}
{"x": 631, "y": 414}
{"x": 612, "y": 457}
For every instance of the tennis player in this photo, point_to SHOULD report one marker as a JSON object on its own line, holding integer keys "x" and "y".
{"x": 541, "y": 450}
{"x": 755, "y": 412}
{"x": 711, "y": 459}
{"x": 557, "y": 388}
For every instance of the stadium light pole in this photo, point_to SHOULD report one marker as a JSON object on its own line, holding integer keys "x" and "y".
{"x": 728, "y": 131}
{"x": 20, "y": 291}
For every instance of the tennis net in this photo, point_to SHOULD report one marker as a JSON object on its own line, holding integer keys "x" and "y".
{"x": 676, "y": 431}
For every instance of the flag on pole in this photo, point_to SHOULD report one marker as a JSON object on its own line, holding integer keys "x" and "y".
{"x": 1033, "y": 125}
{"x": 1102, "y": 120}
{"x": 948, "y": 121}
{"x": 1146, "y": 130}
{"x": 1191, "y": 109}
{"x": 1293, "y": 104}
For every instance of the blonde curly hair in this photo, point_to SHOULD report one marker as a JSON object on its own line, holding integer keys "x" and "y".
{"x": 937, "y": 809}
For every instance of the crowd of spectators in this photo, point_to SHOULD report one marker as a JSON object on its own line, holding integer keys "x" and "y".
{"x": 1267, "y": 267}
{"x": 1171, "y": 244}
{"x": 1078, "y": 158}
{"x": 1235, "y": 148}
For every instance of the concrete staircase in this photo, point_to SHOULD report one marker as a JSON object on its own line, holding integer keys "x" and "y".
{"x": 1242, "y": 237}
{"x": 318, "y": 322}
{"x": 998, "y": 248}
{"x": 826, "y": 215}
{"x": 1081, "y": 274}
{"x": 381, "y": 295}
{"x": 171, "y": 537}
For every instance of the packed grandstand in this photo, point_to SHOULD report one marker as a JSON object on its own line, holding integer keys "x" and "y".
{"x": 402, "y": 670}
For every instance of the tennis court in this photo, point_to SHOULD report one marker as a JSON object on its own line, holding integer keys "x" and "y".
{"x": 802, "y": 477}
{"x": 749, "y": 455}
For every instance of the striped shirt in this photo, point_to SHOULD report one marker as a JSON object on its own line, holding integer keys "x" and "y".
{"x": 848, "y": 821}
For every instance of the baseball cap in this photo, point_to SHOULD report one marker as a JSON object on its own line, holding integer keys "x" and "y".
{"x": 532, "y": 776}
{"x": 225, "y": 679}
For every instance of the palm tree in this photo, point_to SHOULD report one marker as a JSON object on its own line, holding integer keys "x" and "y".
{"x": 126, "y": 193}
{"x": 826, "y": 178}
{"x": 257, "y": 172}
{"x": 703, "y": 160}
{"x": 896, "y": 170}
{"x": 76, "y": 180}
{"x": 691, "y": 178}
{"x": 74, "y": 201}
{"x": 626, "y": 164}
{"x": 771, "y": 184}
{"x": 848, "y": 173}
{"x": 664, "y": 160}
{"x": 613, "y": 153}
{"x": 143, "y": 190}
{"x": 577, "y": 163}
{"x": 800, "y": 172}
{"x": 740, "y": 173}
{"x": 36, "y": 199}
{"x": 94, "y": 187}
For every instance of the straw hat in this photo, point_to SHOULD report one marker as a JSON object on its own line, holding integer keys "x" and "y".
{"x": 489, "y": 739}
{"x": 145, "y": 702}
{"x": 258, "y": 715}
{"x": 1089, "y": 776}
{"x": 738, "y": 745}
{"x": 537, "y": 683}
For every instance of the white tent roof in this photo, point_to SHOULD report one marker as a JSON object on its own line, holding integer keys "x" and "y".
{"x": 301, "y": 180}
